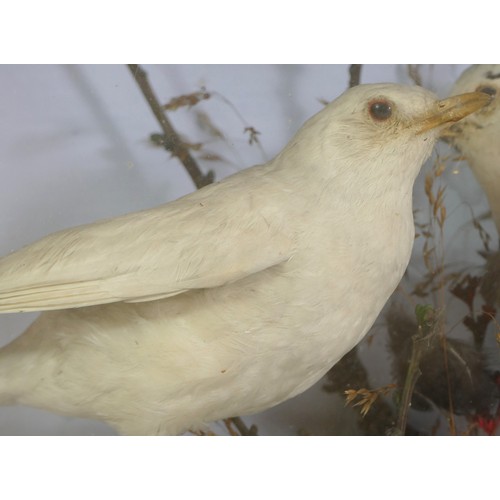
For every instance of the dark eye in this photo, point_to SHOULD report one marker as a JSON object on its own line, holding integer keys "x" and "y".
{"x": 487, "y": 90}
{"x": 380, "y": 110}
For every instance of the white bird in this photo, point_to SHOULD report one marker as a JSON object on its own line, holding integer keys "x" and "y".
{"x": 236, "y": 297}
{"x": 478, "y": 139}
{"x": 478, "y": 136}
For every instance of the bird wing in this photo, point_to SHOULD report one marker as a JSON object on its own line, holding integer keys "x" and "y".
{"x": 214, "y": 236}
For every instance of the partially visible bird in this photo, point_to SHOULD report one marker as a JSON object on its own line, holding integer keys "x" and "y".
{"x": 478, "y": 136}
{"x": 478, "y": 139}
{"x": 236, "y": 297}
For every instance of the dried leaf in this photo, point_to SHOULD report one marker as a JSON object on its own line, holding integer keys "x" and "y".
{"x": 162, "y": 141}
{"x": 253, "y": 135}
{"x": 429, "y": 181}
{"x": 427, "y": 256}
{"x": 195, "y": 146}
{"x": 478, "y": 325}
{"x": 484, "y": 235}
{"x": 366, "y": 397}
{"x": 212, "y": 157}
{"x": 440, "y": 167}
{"x": 442, "y": 216}
{"x": 186, "y": 100}
{"x": 205, "y": 123}
{"x": 439, "y": 200}
{"x": 350, "y": 395}
{"x": 466, "y": 289}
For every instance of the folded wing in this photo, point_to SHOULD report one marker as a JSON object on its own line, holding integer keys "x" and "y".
{"x": 214, "y": 236}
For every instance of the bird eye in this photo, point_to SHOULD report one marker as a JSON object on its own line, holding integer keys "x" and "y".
{"x": 380, "y": 110}
{"x": 487, "y": 90}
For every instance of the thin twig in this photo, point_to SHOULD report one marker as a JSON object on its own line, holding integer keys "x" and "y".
{"x": 414, "y": 74}
{"x": 411, "y": 379}
{"x": 427, "y": 323}
{"x": 172, "y": 140}
{"x": 354, "y": 74}
{"x": 451, "y": 420}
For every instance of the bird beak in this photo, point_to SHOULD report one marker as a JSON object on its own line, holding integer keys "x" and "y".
{"x": 453, "y": 109}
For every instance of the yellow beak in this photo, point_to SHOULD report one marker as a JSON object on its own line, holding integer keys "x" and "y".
{"x": 453, "y": 109}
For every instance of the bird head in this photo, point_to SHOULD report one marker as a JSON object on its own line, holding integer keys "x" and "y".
{"x": 483, "y": 127}
{"x": 477, "y": 136}
{"x": 385, "y": 130}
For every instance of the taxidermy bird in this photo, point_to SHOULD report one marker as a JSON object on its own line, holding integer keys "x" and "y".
{"x": 478, "y": 137}
{"x": 236, "y": 297}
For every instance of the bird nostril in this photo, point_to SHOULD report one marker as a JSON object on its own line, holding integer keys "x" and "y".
{"x": 486, "y": 89}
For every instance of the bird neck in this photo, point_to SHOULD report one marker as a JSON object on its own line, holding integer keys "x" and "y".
{"x": 388, "y": 170}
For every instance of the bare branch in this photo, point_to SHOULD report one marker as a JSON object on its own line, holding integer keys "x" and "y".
{"x": 188, "y": 100}
{"x": 354, "y": 74}
{"x": 427, "y": 327}
{"x": 172, "y": 140}
{"x": 414, "y": 74}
